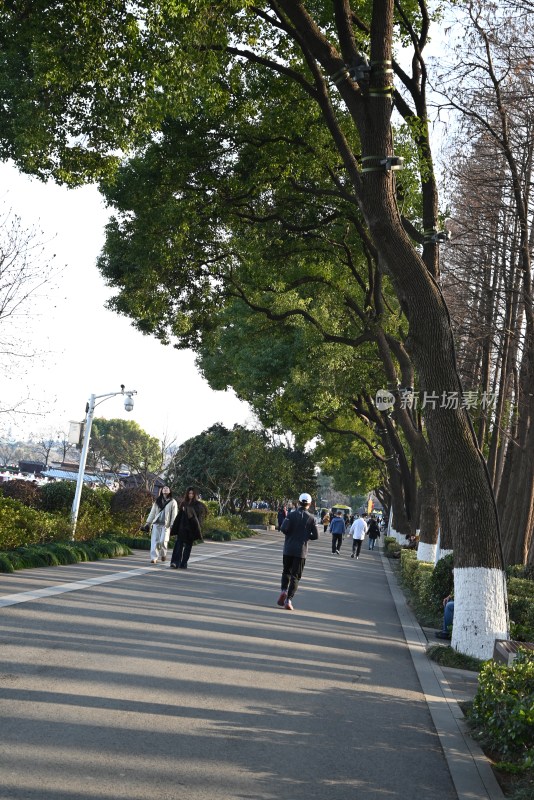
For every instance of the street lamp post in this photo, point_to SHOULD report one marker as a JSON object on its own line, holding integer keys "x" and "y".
{"x": 90, "y": 410}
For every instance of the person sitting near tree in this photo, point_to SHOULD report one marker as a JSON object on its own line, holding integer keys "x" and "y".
{"x": 448, "y": 617}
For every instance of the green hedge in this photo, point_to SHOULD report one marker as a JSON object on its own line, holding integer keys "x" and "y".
{"x": 141, "y": 542}
{"x": 408, "y": 564}
{"x": 442, "y": 581}
{"x": 58, "y": 497}
{"x": 217, "y": 535}
{"x": 417, "y": 577}
{"x": 521, "y": 607}
{"x": 392, "y": 548}
{"x": 521, "y": 571}
{"x": 260, "y": 516}
{"x": 21, "y": 525}
{"x": 218, "y": 529}
{"x": 429, "y": 585}
{"x": 423, "y": 584}
{"x": 230, "y": 523}
{"x": 502, "y": 714}
{"x": 57, "y": 553}
{"x": 212, "y": 506}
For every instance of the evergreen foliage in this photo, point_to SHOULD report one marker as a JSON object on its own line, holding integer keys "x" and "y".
{"x": 56, "y": 553}
{"x": 502, "y": 714}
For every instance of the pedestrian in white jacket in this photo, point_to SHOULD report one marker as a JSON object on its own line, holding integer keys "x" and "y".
{"x": 161, "y": 516}
{"x": 358, "y": 529}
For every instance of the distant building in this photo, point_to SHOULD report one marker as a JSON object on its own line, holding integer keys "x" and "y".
{"x": 138, "y": 482}
{"x": 67, "y": 471}
{"x": 32, "y": 467}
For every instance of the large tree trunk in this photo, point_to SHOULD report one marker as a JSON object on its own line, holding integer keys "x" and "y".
{"x": 445, "y": 533}
{"x": 399, "y": 502}
{"x": 480, "y": 586}
{"x": 517, "y": 495}
{"x": 429, "y": 522}
{"x": 480, "y": 606}
{"x": 406, "y": 418}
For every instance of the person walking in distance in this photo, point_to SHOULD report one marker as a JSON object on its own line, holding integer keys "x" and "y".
{"x": 299, "y": 527}
{"x": 358, "y": 529}
{"x": 187, "y": 528}
{"x": 161, "y": 517}
{"x": 373, "y": 531}
{"x": 337, "y": 529}
{"x": 282, "y": 514}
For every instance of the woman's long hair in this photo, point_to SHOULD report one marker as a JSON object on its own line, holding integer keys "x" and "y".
{"x": 186, "y": 498}
{"x": 161, "y": 500}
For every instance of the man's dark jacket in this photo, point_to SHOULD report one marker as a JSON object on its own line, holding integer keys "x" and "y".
{"x": 298, "y": 527}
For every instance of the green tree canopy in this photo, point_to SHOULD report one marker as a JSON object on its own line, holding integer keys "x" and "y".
{"x": 118, "y": 443}
{"x": 296, "y": 382}
{"x": 238, "y": 466}
{"x": 229, "y": 53}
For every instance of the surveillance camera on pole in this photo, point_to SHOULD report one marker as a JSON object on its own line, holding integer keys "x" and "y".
{"x": 128, "y": 401}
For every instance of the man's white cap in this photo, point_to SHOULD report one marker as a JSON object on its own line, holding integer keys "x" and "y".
{"x": 305, "y": 498}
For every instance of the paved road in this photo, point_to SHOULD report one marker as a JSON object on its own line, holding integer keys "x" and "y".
{"x": 151, "y": 684}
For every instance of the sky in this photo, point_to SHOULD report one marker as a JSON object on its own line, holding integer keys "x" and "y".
{"x": 85, "y": 349}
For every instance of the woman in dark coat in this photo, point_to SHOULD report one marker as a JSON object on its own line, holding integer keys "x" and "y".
{"x": 187, "y": 528}
{"x": 373, "y": 531}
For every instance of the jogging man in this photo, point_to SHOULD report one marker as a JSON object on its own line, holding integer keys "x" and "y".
{"x": 299, "y": 527}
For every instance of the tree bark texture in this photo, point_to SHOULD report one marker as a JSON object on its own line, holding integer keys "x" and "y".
{"x": 459, "y": 463}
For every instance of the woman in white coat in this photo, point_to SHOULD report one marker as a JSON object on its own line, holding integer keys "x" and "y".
{"x": 162, "y": 515}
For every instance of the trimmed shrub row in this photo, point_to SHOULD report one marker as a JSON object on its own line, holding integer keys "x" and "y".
{"x": 217, "y": 529}
{"x": 392, "y": 548}
{"x": 502, "y": 714}
{"x": 56, "y": 553}
{"x": 217, "y": 535}
{"x": 57, "y": 496}
{"x": 22, "y": 525}
{"x": 260, "y": 516}
{"x": 49, "y": 520}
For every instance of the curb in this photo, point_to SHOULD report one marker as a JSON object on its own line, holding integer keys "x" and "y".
{"x": 470, "y": 770}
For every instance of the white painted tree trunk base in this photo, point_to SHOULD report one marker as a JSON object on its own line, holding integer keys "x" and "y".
{"x": 479, "y": 610}
{"x": 427, "y": 552}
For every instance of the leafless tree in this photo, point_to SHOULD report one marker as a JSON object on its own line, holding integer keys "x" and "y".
{"x": 25, "y": 270}
{"x": 65, "y": 447}
{"x": 492, "y": 86}
{"x": 45, "y": 447}
{"x": 10, "y": 452}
